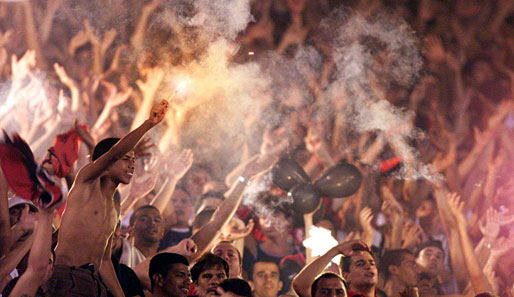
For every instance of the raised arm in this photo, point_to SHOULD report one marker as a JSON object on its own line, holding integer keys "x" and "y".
{"x": 137, "y": 39}
{"x": 303, "y": 280}
{"x": 13, "y": 258}
{"x": 125, "y": 145}
{"x": 478, "y": 279}
{"x": 39, "y": 255}
{"x": 204, "y": 237}
{"x": 5, "y": 227}
{"x": 31, "y": 35}
{"x": 178, "y": 166}
{"x": 186, "y": 248}
{"x": 108, "y": 274}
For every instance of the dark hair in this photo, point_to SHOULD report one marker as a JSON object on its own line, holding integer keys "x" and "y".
{"x": 133, "y": 217}
{"x": 392, "y": 257}
{"x": 237, "y": 286}
{"x": 347, "y": 260}
{"x": 250, "y": 273}
{"x": 314, "y": 285}
{"x": 434, "y": 243}
{"x": 183, "y": 189}
{"x": 103, "y": 147}
{"x": 238, "y": 252}
{"x": 207, "y": 261}
{"x": 162, "y": 263}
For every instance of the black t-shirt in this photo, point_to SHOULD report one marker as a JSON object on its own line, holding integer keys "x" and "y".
{"x": 173, "y": 237}
{"x": 128, "y": 280}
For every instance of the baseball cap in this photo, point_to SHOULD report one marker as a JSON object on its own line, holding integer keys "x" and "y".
{"x": 15, "y": 200}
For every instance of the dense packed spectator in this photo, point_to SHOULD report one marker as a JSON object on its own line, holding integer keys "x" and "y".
{"x": 206, "y": 96}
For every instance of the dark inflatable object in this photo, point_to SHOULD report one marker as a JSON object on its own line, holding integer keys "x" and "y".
{"x": 341, "y": 180}
{"x": 287, "y": 173}
{"x": 305, "y": 198}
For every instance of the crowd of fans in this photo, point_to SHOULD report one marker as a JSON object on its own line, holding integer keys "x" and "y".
{"x": 186, "y": 221}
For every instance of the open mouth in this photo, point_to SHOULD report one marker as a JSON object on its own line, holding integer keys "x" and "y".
{"x": 369, "y": 274}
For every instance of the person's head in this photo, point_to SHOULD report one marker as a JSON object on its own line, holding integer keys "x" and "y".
{"x": 169, "y": 275}
{"x": 231, "y": 254}
{"x": 430, "y": 255}
{"x": 277, "y": 219}
{"x": 120, "y": 171}
{"x": 146, "y": 224}
{"x": 328, "y": 285}
{"x": 266, "y": 279}
{"x": 208, "y": 273}
{"x": 16, "y": 207}
{"x": 359, "y": 269}
{"x": 234, "y": 287}
{"x": 183, "y": 205}
{"x": 399, "y": 265}
{"x": 196, "y": 178}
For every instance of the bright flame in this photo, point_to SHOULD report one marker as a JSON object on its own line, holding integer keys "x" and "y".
{"x": 251, "y": 53}
{"x": 182, "y": 86}
{"x": 320, "y": 241}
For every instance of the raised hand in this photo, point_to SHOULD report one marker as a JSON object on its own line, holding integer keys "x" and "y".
{"x": 365, "y": 218}
{"x": 154, "y": 77}
{"x": 390, "y": 206}
{"x": 63, "y": 76}
{"x": 142, "y": 149}
{"x": 501, "y": 246}
{"x": 20, "y": 69}
{"x": 158, "y": 112}
{"x": 187, "y": 248}
{"x": 434, "y": 49}
{"x": 411, "y": 235}
{"x": 274, "y": 142}
{"x": 77, "y": 41}
{"x": 491, "y": 227}
{"x": 27, "y": 219}
{"x": 347, "y": 248}
{"x": 456, "y": 207}
{"x": 180, "y": 163}
{"x": 236, "y": 229}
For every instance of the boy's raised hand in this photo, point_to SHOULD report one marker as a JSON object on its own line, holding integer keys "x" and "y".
{"x": 158, "y": 112}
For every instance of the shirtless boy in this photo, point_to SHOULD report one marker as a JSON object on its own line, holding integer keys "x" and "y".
{"x": 84, "y": 244}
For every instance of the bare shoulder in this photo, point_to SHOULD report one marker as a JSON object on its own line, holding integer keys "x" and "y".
{"x": 81, "y": 176}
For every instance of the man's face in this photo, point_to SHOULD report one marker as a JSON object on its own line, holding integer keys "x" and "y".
{"x": 123, "y": 169}
{"x": 408, "y": 271}
{"x": 274, "y": 225}
{"x": 363, "y": 271}
{"x": 148, "y": 225}
{"x": 330, "y": 287}
{"x": 208, "y": 281}
{"x": 229, "y": 253}
{"x": 266, "y": 278}
{"x": 431, "y": 258}
{"x": 195, "y": 181}
{"x": 177, "y": 281}
{"x": 183, "y": 206}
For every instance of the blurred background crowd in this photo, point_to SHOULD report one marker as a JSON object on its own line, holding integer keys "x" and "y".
{"x": 416, "y": 94}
